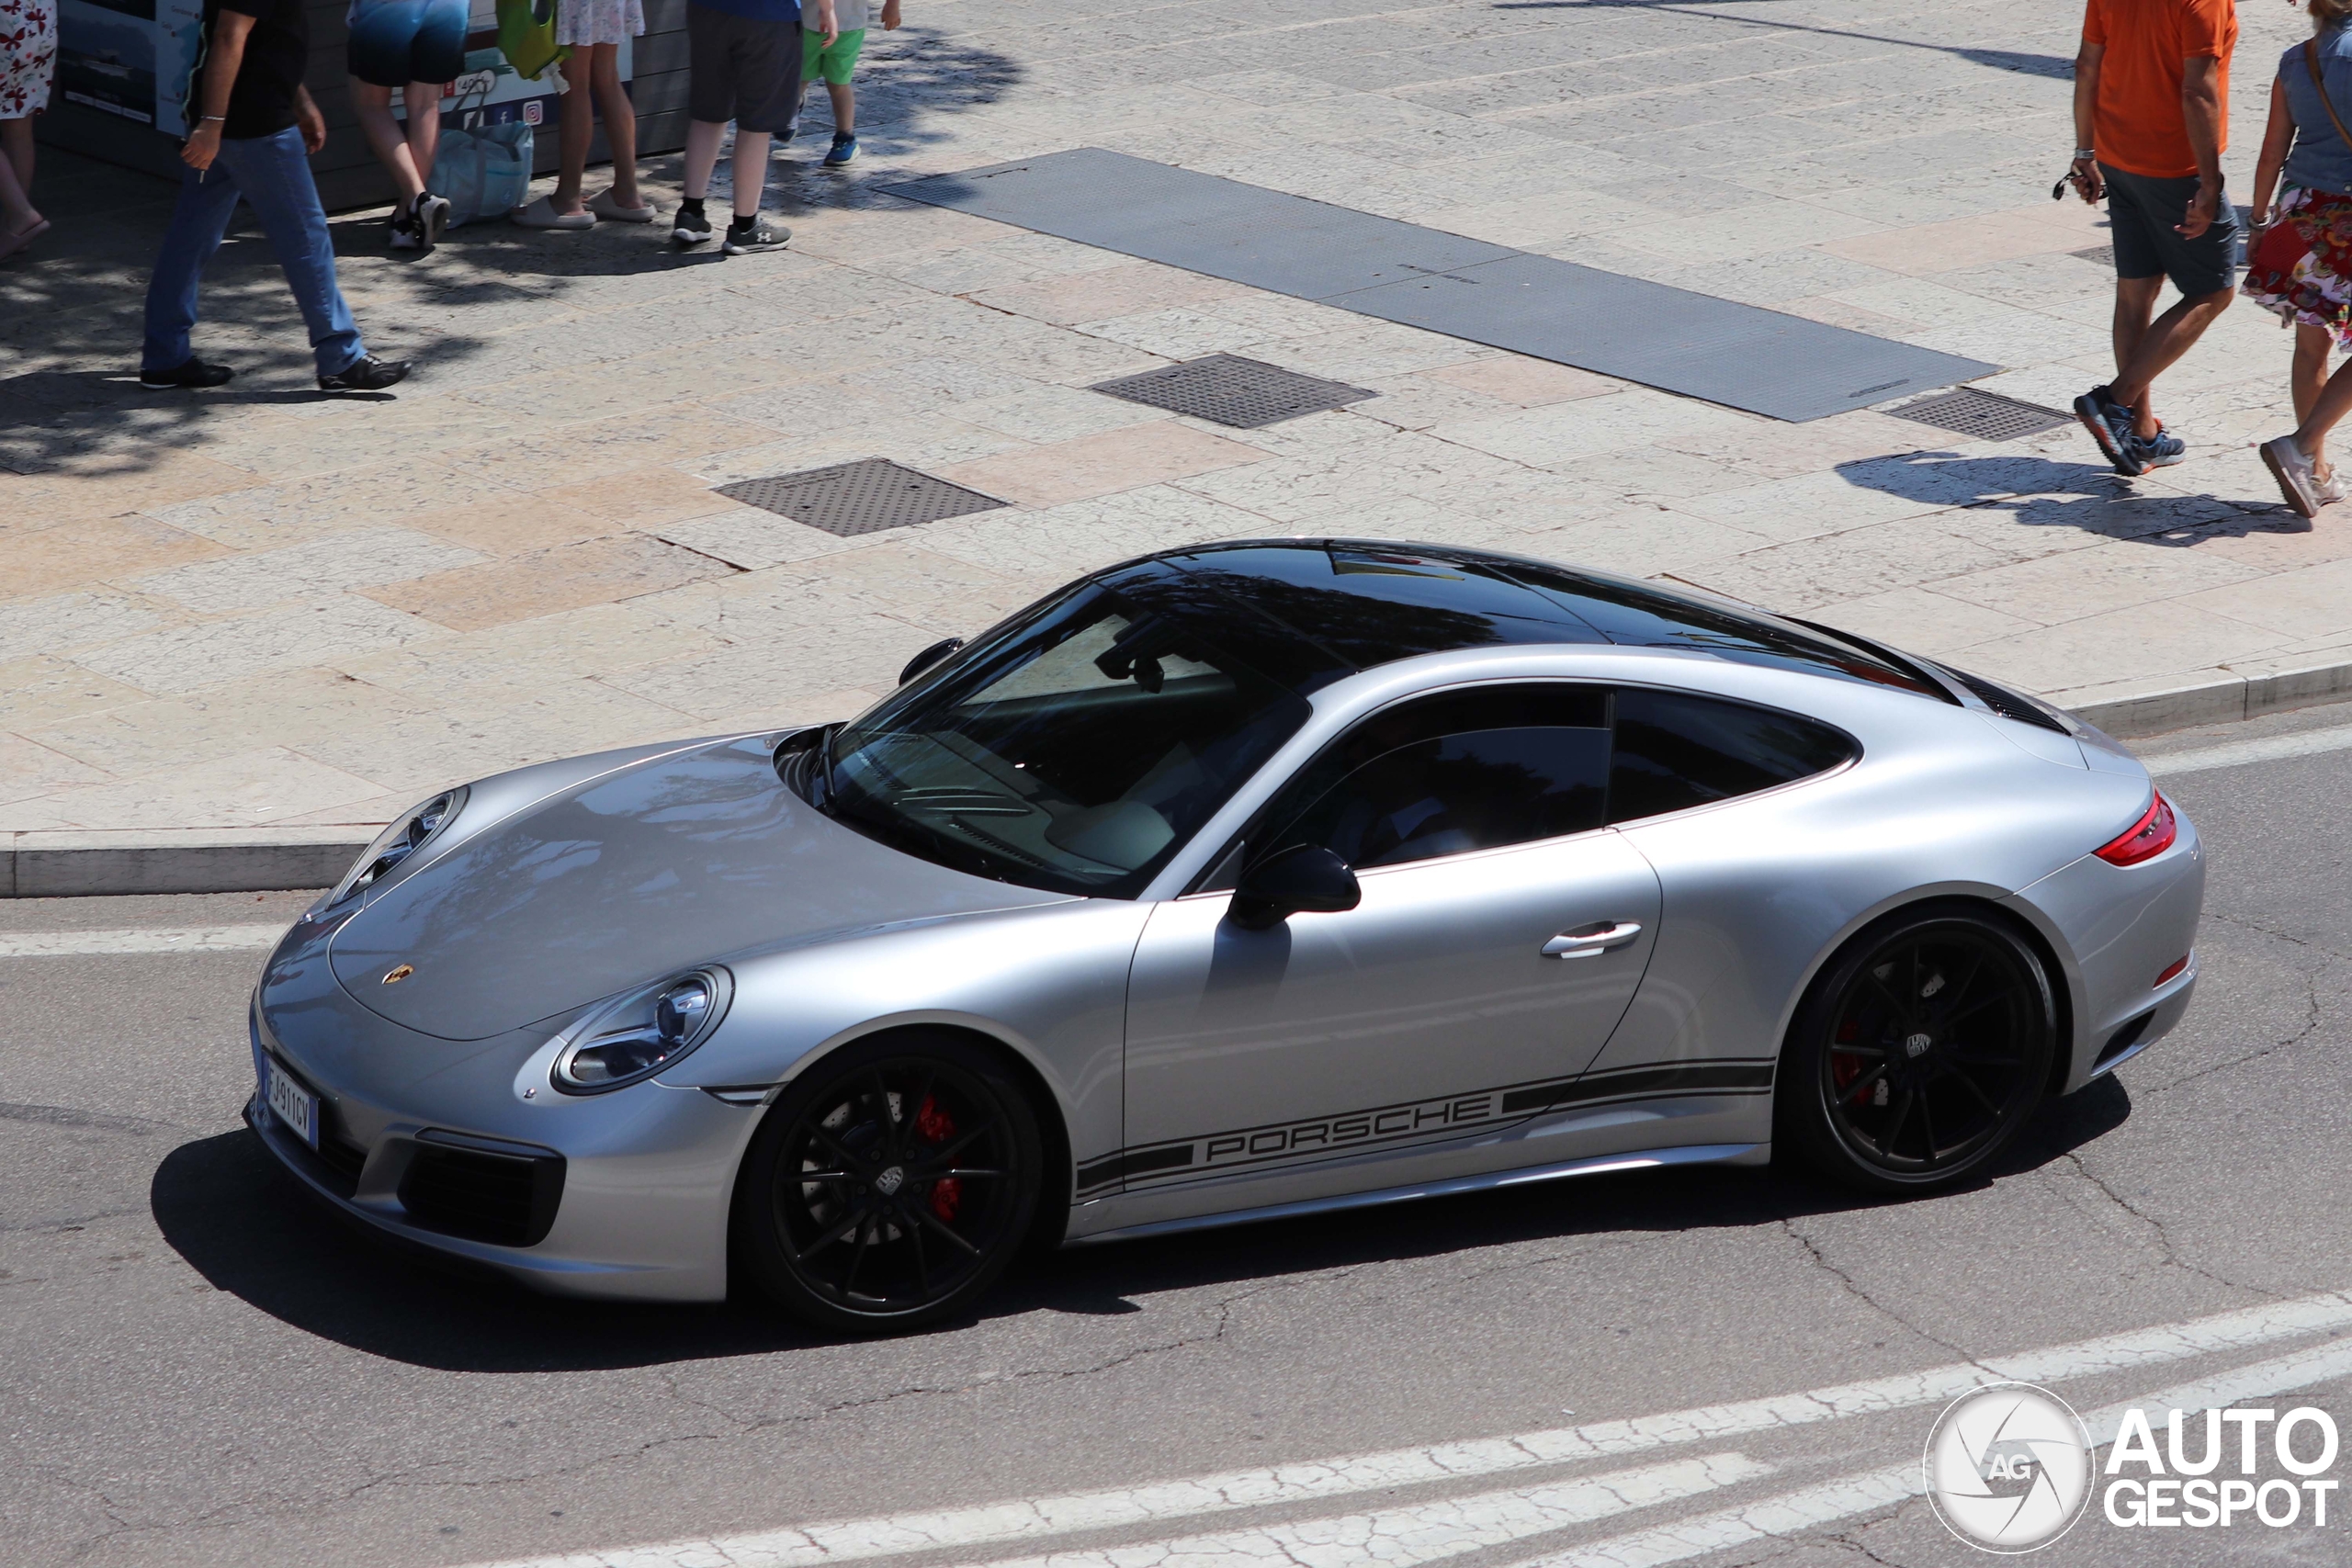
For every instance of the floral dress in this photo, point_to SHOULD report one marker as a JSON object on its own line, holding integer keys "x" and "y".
{"x": 579, "y": 22}
{"x": 2301, "y": 267}
{"x": 27, "y": 56}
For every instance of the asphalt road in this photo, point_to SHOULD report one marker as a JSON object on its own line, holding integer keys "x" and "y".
{"x": 197, "y": 1367}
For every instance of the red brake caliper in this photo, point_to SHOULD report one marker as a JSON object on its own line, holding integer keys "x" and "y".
{"x": 934, "y": 1125}
{"x": 1844, "y": 1066}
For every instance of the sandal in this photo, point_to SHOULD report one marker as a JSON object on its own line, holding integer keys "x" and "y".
{"x": 12, "y": 241}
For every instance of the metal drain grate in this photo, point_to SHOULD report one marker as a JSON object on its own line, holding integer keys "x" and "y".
{"x": 1231, "y": 390}
{"x": 864, "y": 497}
{"x": 1988, "y": 416}
{"x": 2103, "y": 254}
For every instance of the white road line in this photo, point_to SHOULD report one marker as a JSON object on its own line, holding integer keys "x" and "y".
{"x": 1794, "y": 1512}
{"x": 196, "y": 938}
{"x": 1400, "y": 1538}
{"x": 2238, "y": 753}
{"x": 1026, "y": 1519}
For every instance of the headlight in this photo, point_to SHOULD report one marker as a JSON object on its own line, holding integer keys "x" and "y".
{"x": 407, "y": 835}
{"x": 643, "y": 1033}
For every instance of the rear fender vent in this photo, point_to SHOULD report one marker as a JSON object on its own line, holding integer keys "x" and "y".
{"x": 505, "y": 1195}
{"x": 2007, "y": 704}
{"x": 2123, "y": 1039}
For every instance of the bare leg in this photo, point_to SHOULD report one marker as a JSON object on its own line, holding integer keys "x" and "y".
{"x": 579, "y": 113}
{"x": 2334, "y": 400}
{"x": 16, "y": 211}
{"x": 423, "y": 100}
{"x": 373, "y": 108}
{"x": 2310, "y": 373}
{"x": 620, "y": 123}
{"x": 703, "y": 139}
{"x": 2155, "y": 346}
{"x": 844, "y": 106}
{"x": 750, "y": 169}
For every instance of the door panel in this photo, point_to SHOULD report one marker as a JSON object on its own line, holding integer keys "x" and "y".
{"x": 1412, "y": 1017}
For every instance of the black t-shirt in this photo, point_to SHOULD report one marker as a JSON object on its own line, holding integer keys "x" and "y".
{"x": 262, "y": 101}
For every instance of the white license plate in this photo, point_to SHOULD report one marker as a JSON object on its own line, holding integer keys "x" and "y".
{"x": 291, "y": 1103}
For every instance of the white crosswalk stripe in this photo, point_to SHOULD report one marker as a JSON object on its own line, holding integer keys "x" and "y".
{"x": 193, "y": 939}
{"x": 1013, "y": 1524}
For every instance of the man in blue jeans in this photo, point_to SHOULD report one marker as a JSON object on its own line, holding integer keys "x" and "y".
{"x": 256, "y": 130}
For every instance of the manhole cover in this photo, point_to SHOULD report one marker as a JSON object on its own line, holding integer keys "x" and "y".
{"x": 864, "y": 497}
{"x": 1231, "y": 390}
{"x": 2103, "y": 254}
{"x": 1988, "y": 416}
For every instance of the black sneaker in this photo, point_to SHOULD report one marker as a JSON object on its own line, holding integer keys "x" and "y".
{"x": 193, "y": 373}
{"x": 366, "y": 374}
{"x": 746, "y": 235}
{"x": 691, "y": 227}
{"x": 431, "y": 218}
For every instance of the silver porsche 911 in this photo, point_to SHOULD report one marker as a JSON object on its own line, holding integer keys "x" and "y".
{"x": 1235, "y": 882}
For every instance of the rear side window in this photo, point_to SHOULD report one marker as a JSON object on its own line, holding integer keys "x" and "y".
{"x": 1674, "y": 751}
{"x": 1462, "y": 770}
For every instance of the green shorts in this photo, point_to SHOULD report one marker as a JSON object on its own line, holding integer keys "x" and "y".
{"x": 836, "y": 62}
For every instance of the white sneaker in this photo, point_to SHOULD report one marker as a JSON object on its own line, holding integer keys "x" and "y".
{"x": 2331, "y": 489}
{"x": 2297, "y": 482}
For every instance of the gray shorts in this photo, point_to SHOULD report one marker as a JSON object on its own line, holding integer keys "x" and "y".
{"x": 741, "y": 69}
{"x": 2142, "y": 211}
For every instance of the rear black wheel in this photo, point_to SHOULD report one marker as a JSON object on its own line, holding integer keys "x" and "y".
{"x": 1920, "y": 1052}
{"x": 890, "y": 1185}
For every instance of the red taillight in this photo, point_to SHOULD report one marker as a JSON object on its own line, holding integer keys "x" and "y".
{"x": 2149, "y": 837}
{"x": 2171, "y": 969}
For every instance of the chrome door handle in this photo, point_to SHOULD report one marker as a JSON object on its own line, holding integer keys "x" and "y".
{"x": 1592, "y": 940}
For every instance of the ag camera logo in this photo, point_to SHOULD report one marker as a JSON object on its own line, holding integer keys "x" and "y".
{"x": 2009, "y": 1467}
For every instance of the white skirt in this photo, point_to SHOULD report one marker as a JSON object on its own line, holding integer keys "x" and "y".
{"x": 581, "y": 22}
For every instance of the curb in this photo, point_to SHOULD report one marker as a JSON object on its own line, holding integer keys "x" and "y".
{"x": 262, "y": 860}
{"x": 216, "y": 860}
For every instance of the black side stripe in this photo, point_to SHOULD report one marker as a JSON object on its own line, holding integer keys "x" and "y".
{"x": 1697, "y": 1078}
{"x": 1118, "y": 1167}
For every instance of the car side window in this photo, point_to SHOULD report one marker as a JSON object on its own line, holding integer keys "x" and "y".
{"x": 1462, "y": 771}
{"x": 1674, "y": 751}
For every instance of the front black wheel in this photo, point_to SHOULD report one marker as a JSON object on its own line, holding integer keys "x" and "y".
{"x": 1920, "y": 1053}
{"x": 890, "y": 1185}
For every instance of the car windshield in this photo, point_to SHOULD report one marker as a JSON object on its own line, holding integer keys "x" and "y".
{"x": 1077, "y": 748}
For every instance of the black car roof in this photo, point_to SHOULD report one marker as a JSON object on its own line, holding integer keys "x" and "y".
{"x": 1310, "y": 611}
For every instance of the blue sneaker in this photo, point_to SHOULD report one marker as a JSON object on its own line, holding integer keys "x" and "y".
{"x": 2109, "y": 424}
{"x": 2158, "y": 451}
{"x": 844, "y": 148}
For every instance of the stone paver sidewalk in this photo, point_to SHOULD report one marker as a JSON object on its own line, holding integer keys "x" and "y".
{"x": 260, "y": 609}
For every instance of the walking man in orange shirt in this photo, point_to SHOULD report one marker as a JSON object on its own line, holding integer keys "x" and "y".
{"x": 2152, "y": 120}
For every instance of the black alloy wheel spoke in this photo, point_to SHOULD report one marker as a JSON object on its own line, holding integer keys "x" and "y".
{"x": 828, "y": 1178}
{"x": 925, "y": 1215}
{"x": 923, "y": 1261}
{"x": 1894, "y": 1123}
{"x": 914, "y": 1106}
{"x": 1972, "y": 1059}
{"x": 891, "y": 1149}
{"x": 960, "y": 1173}
{"x": 1837, "y": 1050}
{"x": 1928, "y": 1123}
{"x": 1993, "y": 1001}
{"x": 1853, "y": 1090}
{"x": 1964, "y": 1081}
{"x": 817, "y": 1134}
{"x": 857, "y": 1256}
{"x": 946, "y": 1153}
{"x": 1902, "y": 1011}
{"x": 1961, "y": 990}
{"x": 831, "y": 1236}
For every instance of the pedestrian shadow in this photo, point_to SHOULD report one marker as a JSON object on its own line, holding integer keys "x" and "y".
{"x": 225, "y": 1206}
{"x": 2038, "y": 492}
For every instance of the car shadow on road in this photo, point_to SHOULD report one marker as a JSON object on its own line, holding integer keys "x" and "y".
{"x": 228, "y": 1209}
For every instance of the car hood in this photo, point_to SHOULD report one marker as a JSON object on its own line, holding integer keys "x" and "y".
{"x": 682, "y": 859}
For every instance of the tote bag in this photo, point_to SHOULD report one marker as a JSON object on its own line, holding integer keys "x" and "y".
{"x": 485, "y": 172}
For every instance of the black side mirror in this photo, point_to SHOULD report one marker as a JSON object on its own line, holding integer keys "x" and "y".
{"x": 929, "y": 657}
{"x": 1305, "y": 879}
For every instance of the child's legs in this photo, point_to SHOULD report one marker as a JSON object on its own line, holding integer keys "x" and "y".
{"x": 16, "y": 212}
{"x": 703, "y": 140}
{"x": 750, "y": 169}
{"x": 424, "y": 101}
{"x": 2310, "y": 372}
{"x": 620, "y": 121}
{"x": 16, "y": 143}
{"x": 844, "y": 98}
{"x": 372, "y": 106}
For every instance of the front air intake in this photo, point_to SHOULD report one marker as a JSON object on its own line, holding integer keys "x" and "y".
{"x": 479, "y": 1193}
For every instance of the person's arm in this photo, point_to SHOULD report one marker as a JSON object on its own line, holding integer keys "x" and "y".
{"x": 827, "y": 22}
{"x": 2083, "y": 170}
{"x": 889, "y": 16}
{"x": 2200, "y": 110}
{"x": 222, "y": 60}
{"x": 313, "y": 123}
{"x": 2275, "y": 140}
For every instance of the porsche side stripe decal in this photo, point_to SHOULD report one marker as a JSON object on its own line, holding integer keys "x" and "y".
{"x": 1390, "y": 1124}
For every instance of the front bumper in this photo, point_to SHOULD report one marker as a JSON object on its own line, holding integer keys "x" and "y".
{"x": 621, "y": 1195}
